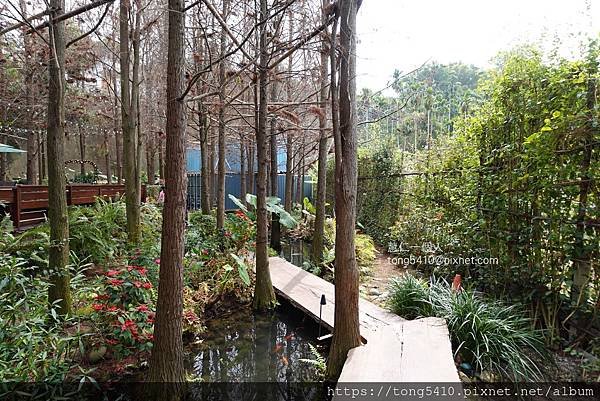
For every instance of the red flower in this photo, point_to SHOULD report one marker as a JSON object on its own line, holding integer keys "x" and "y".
{"x": 142, "y": 270}
{"x": 112, "y": 273}
{"x": 143, "y": 308}
{"x": 157, "y": 261}
{"x": 227, "y": 234}
{"x": 101, "y": 297}
{"x": 97, "y": 307}
{"x": 112, "y": 341}
{"x": 150, "y": 337}
{"x": 112, "y": 308}
{"x": 115, "y": 282}
{"x": 205, "y": 252}
{"x": 137, "y": 284}
{"x": 147, "y": 285}
{"x": 129, "y": 325}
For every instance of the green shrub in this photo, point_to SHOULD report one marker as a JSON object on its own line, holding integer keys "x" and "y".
{"x": 490, "y": 335}
{"x": 409, "y": 297}
{"x": 33, "y": 347}
{"x": 365, "y": 253}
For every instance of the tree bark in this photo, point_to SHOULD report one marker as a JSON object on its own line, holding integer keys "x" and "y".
{"x": 243, "y": 186}
{"x": 59, "y": 293}
{"x": 221, "y": 166}
{"x": 129, "y": 114}
{"x": 346, "y": 321}
{"x": 275, "y": 226}
{"x": 264, "y": 295}
{"x": 167, "y": 353}
{"x": 204, "y": 159}
{"x": 319, "y": 230}
{"x": 32, "y": 148}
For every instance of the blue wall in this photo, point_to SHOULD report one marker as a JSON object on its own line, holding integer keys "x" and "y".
{"x": 232, "y": 159}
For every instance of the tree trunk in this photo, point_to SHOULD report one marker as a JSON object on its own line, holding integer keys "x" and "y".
{"x": 300, "y": 173}
{"x": 204, "y": 159}
{"x": 108, "y": 169}
{"x": 129, "y": 98}
{"x": 346, "y": 322}
{"x": 319, "y": 230}
{"x": 150, "y": 158}
{"x": 32, "y": 148}
{"x": 275, "y": 226}
{"x": 59, "y": 293}
{"x": 251, "y": 187}
{"x": 243, "y": 188}
{"x": 289, "y": 172}
{"x": 264, "y": 296}
{"x": 221, "y": 166}
{"x": 167, "y": 353}
{"x": 81, "y": 152}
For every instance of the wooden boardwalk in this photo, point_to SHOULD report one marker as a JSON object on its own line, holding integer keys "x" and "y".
{"x": 396, "y": 350}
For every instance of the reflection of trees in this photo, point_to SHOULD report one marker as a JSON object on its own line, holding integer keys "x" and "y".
{"x": 250, "y": 349}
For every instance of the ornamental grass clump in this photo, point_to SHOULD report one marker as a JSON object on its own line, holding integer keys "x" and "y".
{"x": 488, "y": 334}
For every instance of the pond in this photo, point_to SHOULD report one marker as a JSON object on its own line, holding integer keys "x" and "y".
{"x": 256, "y": 356}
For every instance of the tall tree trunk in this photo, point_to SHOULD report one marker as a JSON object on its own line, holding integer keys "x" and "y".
{"x": 204, "y": 159}
{"x": 346, "y": 322}
{"x": 264, "y": 296}
{"x": 251, "y": 177}
{"x": 289, "y": 137}
{"x": 150, "y": 158}
{"x": 300, "y": 172}
{"x": 275, "y": 226}
{"x": 59, "y": 292}
{"x": 221, "y": 166}
{"x": 243, "y": 185}
{"x": 211, "y": 170}
{"x": 289, "y": 171}
{"x": 129, "y": 99}
{"x": 32, "y": 148}
{"x": 81, "y": 151}
{"x": 167, "y": 353}
{"x": 319, "y": 230}
{"x": 106, "y": 149}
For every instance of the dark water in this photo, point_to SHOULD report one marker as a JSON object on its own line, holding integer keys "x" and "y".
{"x": 247, "y": 347}
{"x": 249, "y": 356}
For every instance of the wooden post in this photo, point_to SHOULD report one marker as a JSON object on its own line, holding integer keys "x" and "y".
{"x": 16, "y": 209}
{"x": 69, "y": 195}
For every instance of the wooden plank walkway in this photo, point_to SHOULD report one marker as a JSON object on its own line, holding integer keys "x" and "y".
{"x": 396, "y": 350}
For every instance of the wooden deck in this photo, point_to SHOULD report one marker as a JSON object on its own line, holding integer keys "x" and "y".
{"x": 396, "y": 350}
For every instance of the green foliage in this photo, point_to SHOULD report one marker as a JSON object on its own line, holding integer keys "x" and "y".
{"x": 273, "y": 206}
{"x": 506, "y": 184}
{"x": 365, "y": 253}
{"x": 319, "y": 363}
{"x": 32, "y": 344}
{"x": 490, "y": 335}
{"x": 124, "y": 309}
{"x": 218, "y": 261}
{"x": 409, "y": 297}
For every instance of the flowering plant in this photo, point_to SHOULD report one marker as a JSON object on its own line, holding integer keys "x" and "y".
{"x": 125, "y": 309}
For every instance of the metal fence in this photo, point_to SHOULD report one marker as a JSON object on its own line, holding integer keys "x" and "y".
{"x": 233, "y": 187}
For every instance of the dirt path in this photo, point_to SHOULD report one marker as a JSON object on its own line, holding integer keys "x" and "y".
{"x": 375, "y": 287}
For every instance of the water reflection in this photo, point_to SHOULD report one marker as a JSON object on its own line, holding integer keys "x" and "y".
{"x": 244, "y": 349}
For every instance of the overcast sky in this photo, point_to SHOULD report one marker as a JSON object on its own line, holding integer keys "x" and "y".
{"x": 402, "y": 34}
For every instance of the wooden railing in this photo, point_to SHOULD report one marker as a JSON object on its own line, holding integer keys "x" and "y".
{"x": 28, "y": 204}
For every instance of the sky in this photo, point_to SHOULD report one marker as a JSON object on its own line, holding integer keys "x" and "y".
{"x": 403, "y": 34}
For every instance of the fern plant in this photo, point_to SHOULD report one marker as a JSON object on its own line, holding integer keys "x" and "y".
{"x": 318, "y": 361}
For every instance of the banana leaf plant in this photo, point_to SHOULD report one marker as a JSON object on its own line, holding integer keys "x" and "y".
{"x": 273, "y": 206}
